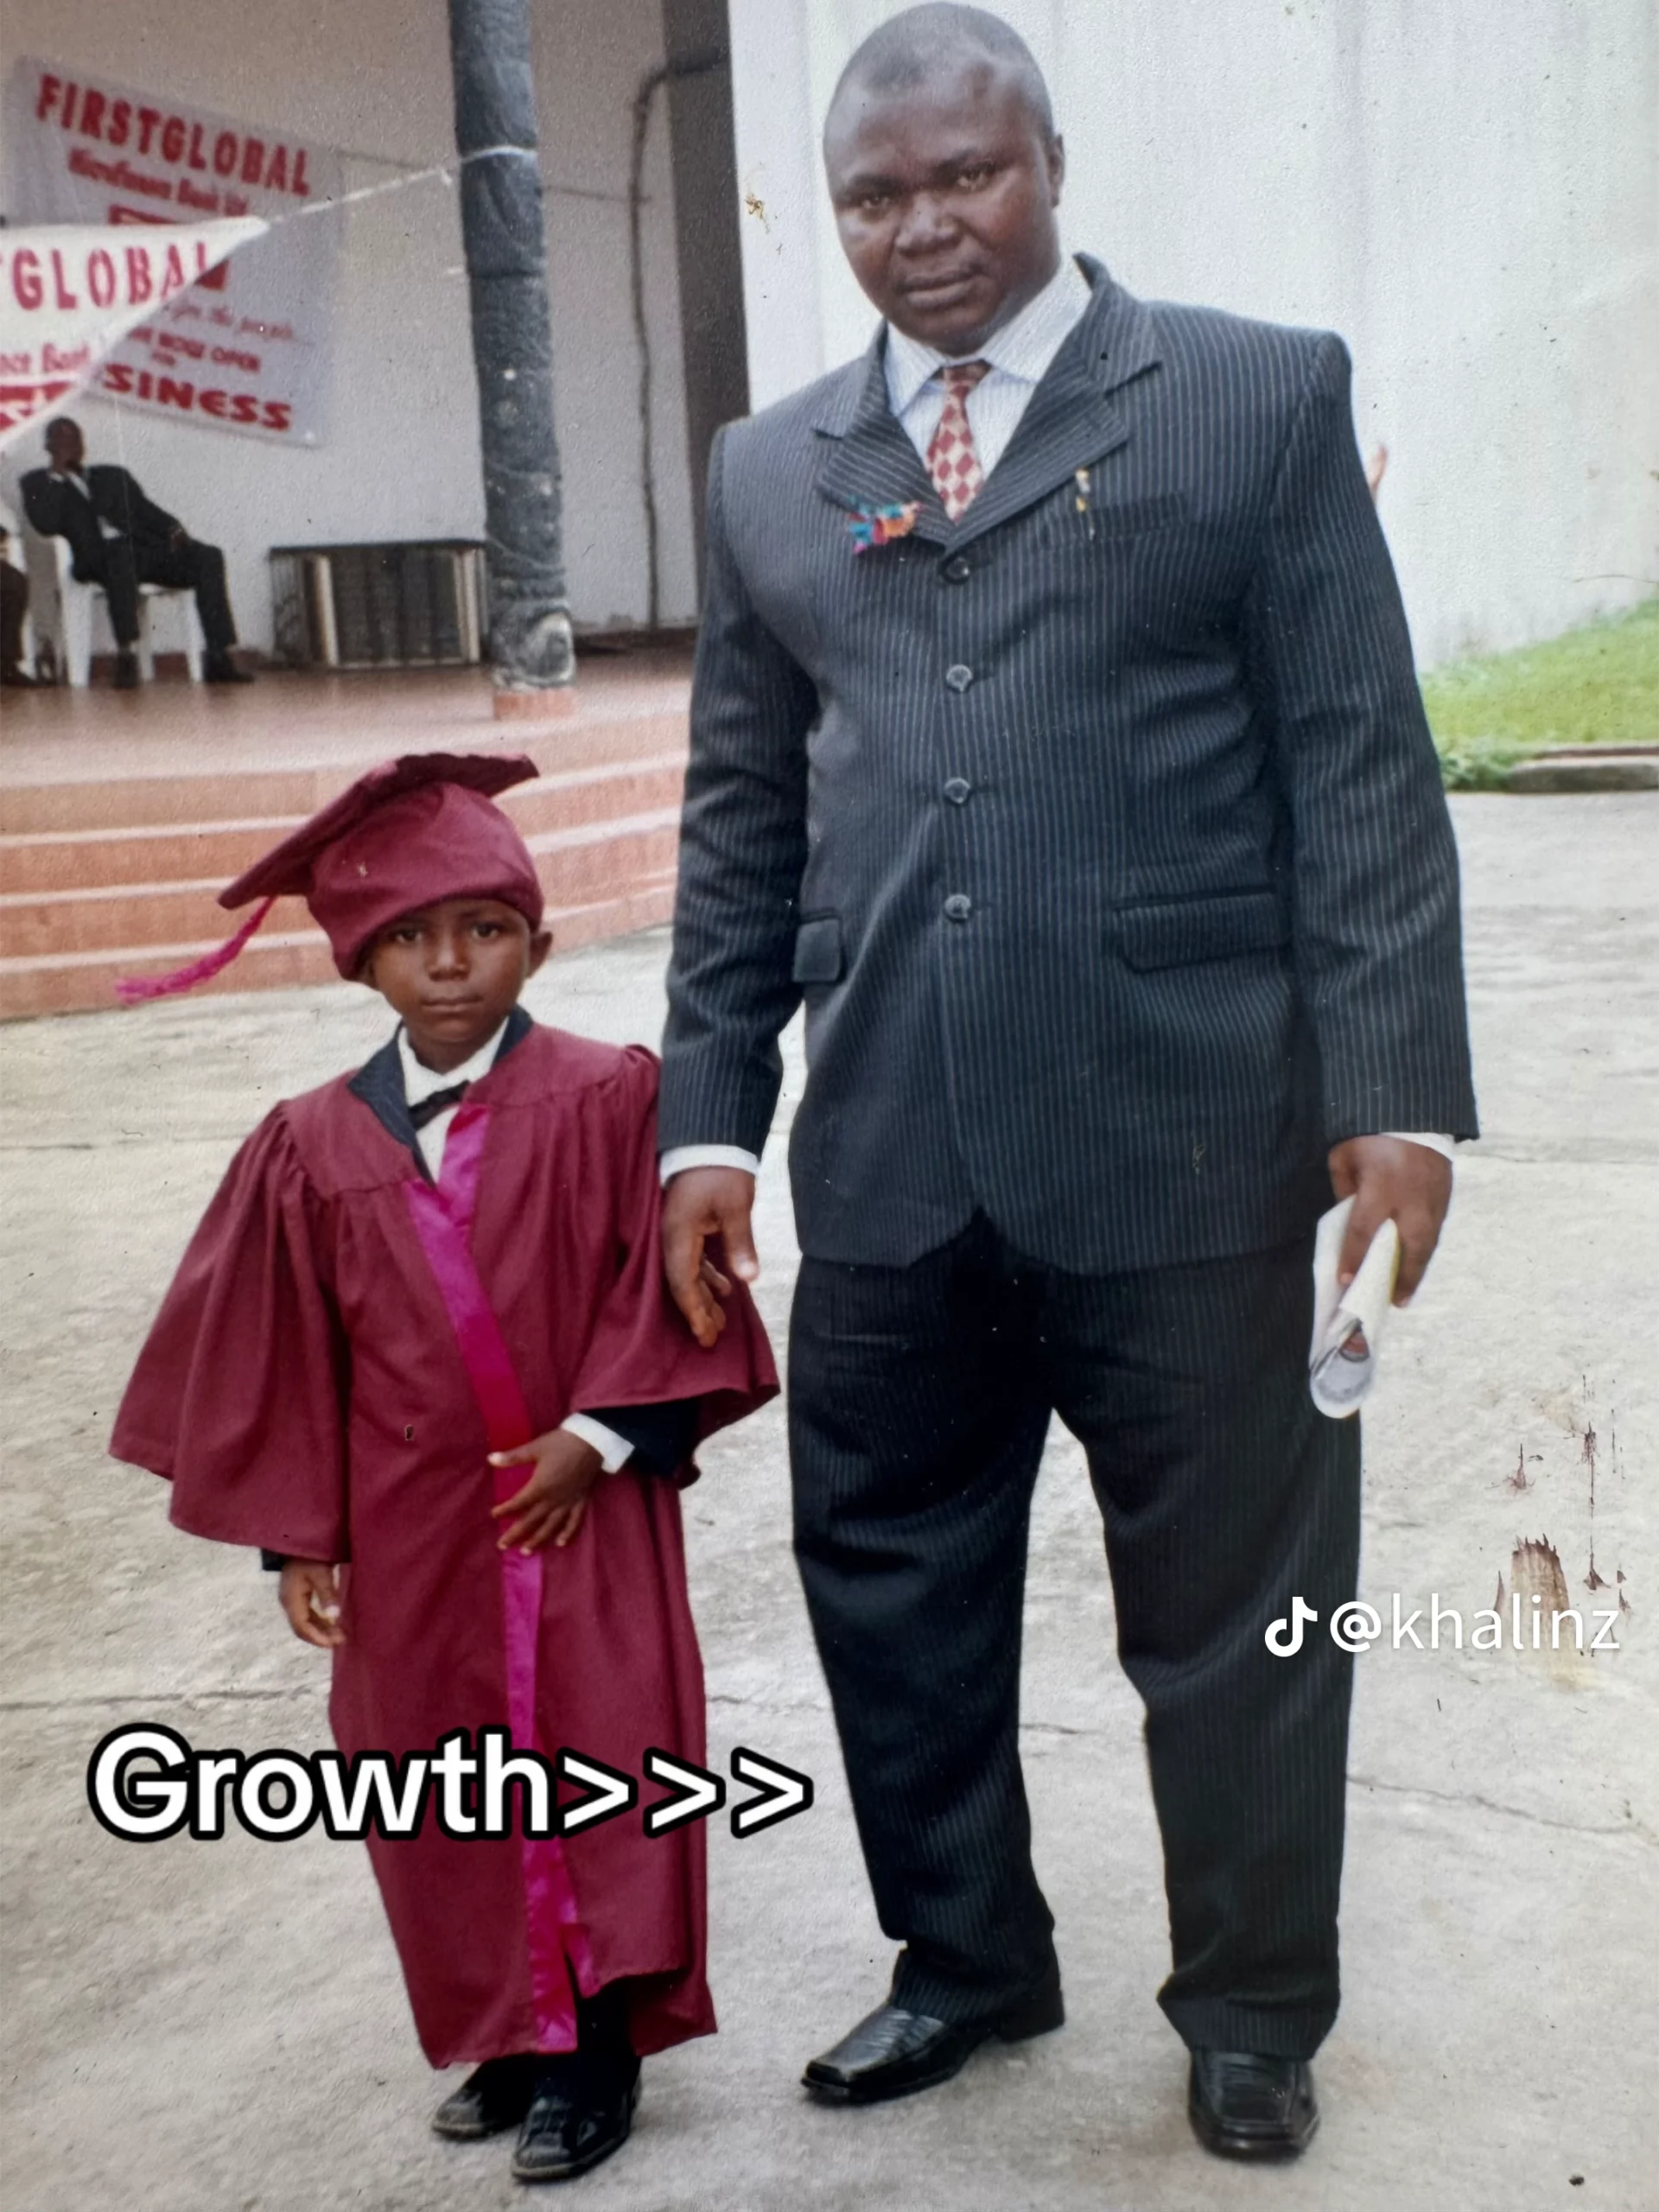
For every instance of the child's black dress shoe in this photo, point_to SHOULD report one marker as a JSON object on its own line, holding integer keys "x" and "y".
{"x": 576, "y": 2118}
{"x": 1245, "y": 2105}
{"x": 494, "y": 2096}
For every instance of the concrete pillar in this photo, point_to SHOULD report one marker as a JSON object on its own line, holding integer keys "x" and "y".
{"x": 531, "y": 649}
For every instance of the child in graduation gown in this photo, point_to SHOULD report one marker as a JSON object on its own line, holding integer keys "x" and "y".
{"x": 423, "y": 1316}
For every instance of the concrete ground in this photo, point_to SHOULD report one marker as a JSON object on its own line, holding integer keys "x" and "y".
{"x": 220, "y": 2027}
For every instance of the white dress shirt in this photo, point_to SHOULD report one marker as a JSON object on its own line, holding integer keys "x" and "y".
{"x": 421, "y": 1082}
{"x": 1020, "y": 354}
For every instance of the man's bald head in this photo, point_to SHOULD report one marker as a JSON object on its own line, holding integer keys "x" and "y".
{"x": 938, "y": 40}
{"x": 945, "y": 172}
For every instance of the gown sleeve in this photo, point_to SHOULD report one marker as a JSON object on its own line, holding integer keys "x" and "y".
{"x": 640, "y": 1352}
{"x": 239, "y": 1394}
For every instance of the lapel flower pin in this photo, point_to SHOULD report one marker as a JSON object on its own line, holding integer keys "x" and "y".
{"x": 873, "y": 526}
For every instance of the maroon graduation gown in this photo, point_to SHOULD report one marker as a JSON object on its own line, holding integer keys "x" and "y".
{"x": 342, "y": 1345}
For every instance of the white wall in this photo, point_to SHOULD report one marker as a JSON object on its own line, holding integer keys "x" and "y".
{"x": 401, "y": 455}
{"x": 1467, "y": 192}
{"x": 589, "y": 57}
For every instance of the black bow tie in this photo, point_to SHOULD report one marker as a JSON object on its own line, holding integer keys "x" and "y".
{"x": 439, "y": 1102}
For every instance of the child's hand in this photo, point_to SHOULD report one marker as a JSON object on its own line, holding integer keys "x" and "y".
{"x": 309, "y": 1590}
{"x": 553, "y": 1503}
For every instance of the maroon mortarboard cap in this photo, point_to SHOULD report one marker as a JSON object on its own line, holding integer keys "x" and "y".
{"x": 412, "y": 831}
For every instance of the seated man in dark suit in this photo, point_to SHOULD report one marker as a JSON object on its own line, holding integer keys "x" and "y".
{"x": 120, "y": 539}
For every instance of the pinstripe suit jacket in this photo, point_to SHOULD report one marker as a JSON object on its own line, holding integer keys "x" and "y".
{"x": 1101, "y": 830}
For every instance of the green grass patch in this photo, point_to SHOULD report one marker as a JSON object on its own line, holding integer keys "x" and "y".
{"x": 1598, "y": 685}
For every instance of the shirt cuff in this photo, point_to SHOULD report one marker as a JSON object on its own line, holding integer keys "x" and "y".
{"x": 1432, "y": 1138}
{"x": 679, "y": 1157}
{"x": 613, "y": 1451}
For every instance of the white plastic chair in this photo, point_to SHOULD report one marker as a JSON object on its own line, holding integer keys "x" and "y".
{"x": 64, "y": 610}
{"x": 14, "y": 546}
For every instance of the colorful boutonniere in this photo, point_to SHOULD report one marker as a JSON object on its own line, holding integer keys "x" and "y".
{"x": 880, "y": 525}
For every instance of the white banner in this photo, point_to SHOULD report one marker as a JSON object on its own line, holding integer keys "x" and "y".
{"x": 69, "y": 295}
{"x": 248, "y": 348}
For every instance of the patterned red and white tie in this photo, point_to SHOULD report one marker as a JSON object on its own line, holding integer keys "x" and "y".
{"x": 952, "y": 460}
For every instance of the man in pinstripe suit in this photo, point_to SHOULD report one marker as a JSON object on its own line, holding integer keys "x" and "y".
{"x": 1055, "y": 737}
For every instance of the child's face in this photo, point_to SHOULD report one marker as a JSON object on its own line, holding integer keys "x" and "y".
{"x": 453, "y": 971}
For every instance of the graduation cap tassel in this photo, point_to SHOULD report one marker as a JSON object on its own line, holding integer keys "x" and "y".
{"x": 132, "y": 990}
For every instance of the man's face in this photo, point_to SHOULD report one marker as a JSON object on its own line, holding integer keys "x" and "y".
{"x": 944, "y": 196}
{"x": 66, "y": 446}
{"x": 453, "y": 971}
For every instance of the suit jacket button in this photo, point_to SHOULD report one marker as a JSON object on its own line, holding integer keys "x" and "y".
{"x": 956, "y": 791}
{"x": 958, "y": 675}
{"x": 956, "y": 570}
{"x": 958, "y": 907}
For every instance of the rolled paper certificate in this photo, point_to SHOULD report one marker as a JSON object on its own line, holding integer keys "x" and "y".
{"x": 1347, "y": 1324}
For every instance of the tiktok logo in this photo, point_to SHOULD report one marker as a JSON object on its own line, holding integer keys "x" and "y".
{"x": 1285, "y": 1637}
{"x": 1355, "y": 1626}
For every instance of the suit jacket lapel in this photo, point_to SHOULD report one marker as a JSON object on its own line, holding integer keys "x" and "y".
{"x": 83, "y": 504}
{"x": 866, "y": 459}
{"x": 1071, "y": 422}
{"x": 379, "y": 1084}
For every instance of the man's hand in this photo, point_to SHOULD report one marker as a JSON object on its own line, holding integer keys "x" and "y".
{"x": 554, "y": 1501}
{"x": 309, "y": 1592}
{"x": 702, "y": 1206}
{"x": 1390, "y": 1181}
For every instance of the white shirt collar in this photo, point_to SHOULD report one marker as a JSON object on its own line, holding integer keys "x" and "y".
{"x": 420, "y": 1082}
{"x": 1022, "y": 348}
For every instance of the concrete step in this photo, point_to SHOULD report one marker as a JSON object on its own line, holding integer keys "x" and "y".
{"x": 195, "y": 851}
{"x": 281, "y": 959}
{"x": 122, "y": 819}
{"x": 577, "y": 867}
{"x": 1611, "y": 768}
{"x": 84, "y": 982}
{"x": 44, "y": 804}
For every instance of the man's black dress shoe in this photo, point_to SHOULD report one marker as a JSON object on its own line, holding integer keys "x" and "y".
{"x": 894, "y": 2053}
{"x": 495, "y": 2096}
{"x": 219, "y": 668}
{"x": 126, "y": 672}
{"x": 579, "y": 2115}
{"x": 1245, "y": 2105}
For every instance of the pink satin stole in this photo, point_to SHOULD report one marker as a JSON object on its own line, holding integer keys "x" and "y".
{"x": 442, "y": 1214}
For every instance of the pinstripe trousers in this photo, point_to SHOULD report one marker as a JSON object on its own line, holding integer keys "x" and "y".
{"x": 919, "y": 1398}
